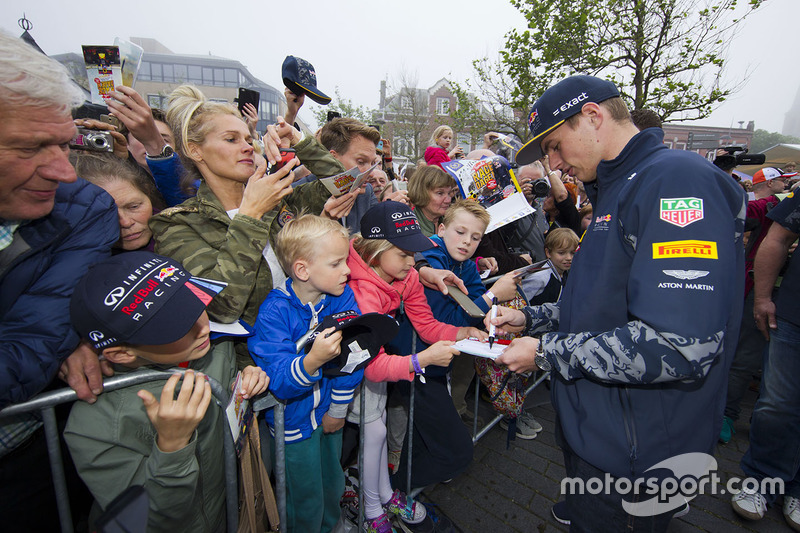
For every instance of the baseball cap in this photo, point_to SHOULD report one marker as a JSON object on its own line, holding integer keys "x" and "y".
{"x": 557, "y": 104}
{"x": 396, "y": 223}
{"x": 299, "y": 76}
{"x": 769, "y": 173}
{"x": 138, "y": 298}
{"x": 368, "y": 332}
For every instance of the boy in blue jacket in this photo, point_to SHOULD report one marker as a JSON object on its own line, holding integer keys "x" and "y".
{"x": 458, "y": 236}
{"x": 313, "y": 252}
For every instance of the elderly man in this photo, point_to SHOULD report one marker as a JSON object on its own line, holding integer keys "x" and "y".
{"x": 52, "y": 227}
{"x": 641, "y": 341}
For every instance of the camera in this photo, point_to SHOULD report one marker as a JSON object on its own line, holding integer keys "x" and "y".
{"x": 93, "y": 141}
{"x": 540, "y": 187}
{"x": 737, "y": 155}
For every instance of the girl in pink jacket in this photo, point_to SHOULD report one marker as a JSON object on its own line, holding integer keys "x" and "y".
{"x": 383, "y": 279}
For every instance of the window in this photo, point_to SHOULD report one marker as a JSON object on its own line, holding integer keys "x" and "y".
{"x": 195, "y": 74}
{"x": 181, "y": 73}
{"x": 219, "y": 77}
{"x": 442, "y": 106}
{"x": 405, "y": 103}
{"x": 208, "y": 76}
{"x": 157, "y": 101}
{"x": 144, "y": 71}
{"x": 231, "y": 77}
{"x": 155, "y": 72}
{"x": 169, "y": 73}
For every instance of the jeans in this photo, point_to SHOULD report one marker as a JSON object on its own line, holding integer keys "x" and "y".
{"x": 775, "y": 429}
{"x": 600, "y": 513}
{"x": 747, "y": 360}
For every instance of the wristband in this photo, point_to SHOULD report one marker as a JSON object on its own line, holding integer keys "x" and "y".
{"x": 387, "y": 159}
{"x": 490, "y": 295}
{"x": 418, "y": 369}
{"x": 415, "y": 361}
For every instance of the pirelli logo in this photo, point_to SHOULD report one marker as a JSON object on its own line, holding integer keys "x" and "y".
{"x": 701, "y": 249}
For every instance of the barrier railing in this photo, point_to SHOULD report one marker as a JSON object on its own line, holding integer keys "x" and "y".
{"x": 46, "y": 403}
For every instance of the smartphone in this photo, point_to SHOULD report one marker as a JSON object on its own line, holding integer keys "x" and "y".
{"x": 248, "y": 96}
{"x": 465, "y": 302}
{"x": 333, "y": 114}
{"x": 380, "y": 145}
{"x": 287, "y": 154}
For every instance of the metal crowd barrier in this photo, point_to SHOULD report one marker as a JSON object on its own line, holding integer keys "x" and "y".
{"x": 47, "y": 401}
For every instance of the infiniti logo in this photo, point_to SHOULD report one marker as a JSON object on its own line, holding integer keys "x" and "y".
{"x": 114, "y": 296}
{"x": 96, "y": 335}
{"x": 396, "y": 216}
{"x": 375, "y": 229}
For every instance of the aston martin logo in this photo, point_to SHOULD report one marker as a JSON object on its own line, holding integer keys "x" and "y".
{"x": 686, "y": 274}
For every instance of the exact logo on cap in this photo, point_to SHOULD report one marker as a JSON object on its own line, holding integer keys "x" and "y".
{"x": 142, "y": 287}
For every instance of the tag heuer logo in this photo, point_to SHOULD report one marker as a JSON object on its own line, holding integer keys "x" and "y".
{"x": 681, "y": 211}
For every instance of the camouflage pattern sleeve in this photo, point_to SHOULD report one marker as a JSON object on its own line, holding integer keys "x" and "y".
{"x": 208, "y": 247}
{"x": 541, "y": 318}
{"x": 317, "y": 159}
{"x": 633, "y": 354}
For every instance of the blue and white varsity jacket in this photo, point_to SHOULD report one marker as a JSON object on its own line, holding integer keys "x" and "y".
{"x": 282, "y": 320}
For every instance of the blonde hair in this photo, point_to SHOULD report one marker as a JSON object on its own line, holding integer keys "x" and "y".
{"x": 424, "y": 180}
{"x": 470, "y": 206}
{"x": 438, "y": 132}
{"x": 189, "y": 116}
{"x": 561, "y": 239}
{"x": 370, "y": 250}
{"x": 300, "y": 238}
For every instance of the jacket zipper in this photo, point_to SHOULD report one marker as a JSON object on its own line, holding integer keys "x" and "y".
{"x": 630, "y": 425}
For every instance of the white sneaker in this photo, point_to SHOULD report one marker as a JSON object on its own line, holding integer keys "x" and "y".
{"x": 526, "y": 418}
{"x": 749, "y": 504}
{"x": 791, "y": 512}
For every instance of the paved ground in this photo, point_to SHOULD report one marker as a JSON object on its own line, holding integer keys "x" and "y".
{"x": 513, "y": 489}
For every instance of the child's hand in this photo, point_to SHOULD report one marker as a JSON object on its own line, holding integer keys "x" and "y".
{"x": 326, "y": 346}
{"x": 175, "y": 419}
{"x": 254, "y": 381}
{"x": 467, "y": 332}
{"x": 487, "y": 263}
{"x": 505, "y": 288}
{"x": 330, "y": 424}
{"x": 438, "y": 354}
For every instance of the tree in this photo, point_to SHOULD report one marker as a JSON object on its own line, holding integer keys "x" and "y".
{"x": 344, "y": 106}
{"x": 495, "y": 108}
{"x": 407, "y": 110}
{"x": 763, "y": 139}
{"x": 665, "y": 55}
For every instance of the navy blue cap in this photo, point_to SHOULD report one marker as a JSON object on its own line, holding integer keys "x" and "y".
{"x": 557, "y": 104}
{"x": 396, "y": 223}
{"x": 299, "y": 76}
{"x": 138, "y": 298}
{"x": 369, "y": 331}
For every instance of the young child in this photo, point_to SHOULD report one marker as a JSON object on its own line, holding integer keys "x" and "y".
{"x": 383, "y": 279}
{"x": 313, "y": 252}
{"x": 439, "y": 150}
{"x": 141, "y": 309}
{"x": 545, "y": 286}
{"x": 459, "y": 234}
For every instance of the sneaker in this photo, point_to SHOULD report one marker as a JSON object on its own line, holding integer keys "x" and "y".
{"x": 379, "y": 525}
{"x": 559, "y": 512}
{"x": 441, "y": 524}
{"x": 468, "y": 419}
{"x": 523, "y": 430}
{"x": 526, "y": 418}
{"x": 405, "y": 508}
{"x": 749, "y": 504}
{"x": 727, "y": 432}
{"x": 791, "y": 512}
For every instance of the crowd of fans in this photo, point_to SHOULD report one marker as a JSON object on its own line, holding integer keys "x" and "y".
{"x": 115, "y": 271}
